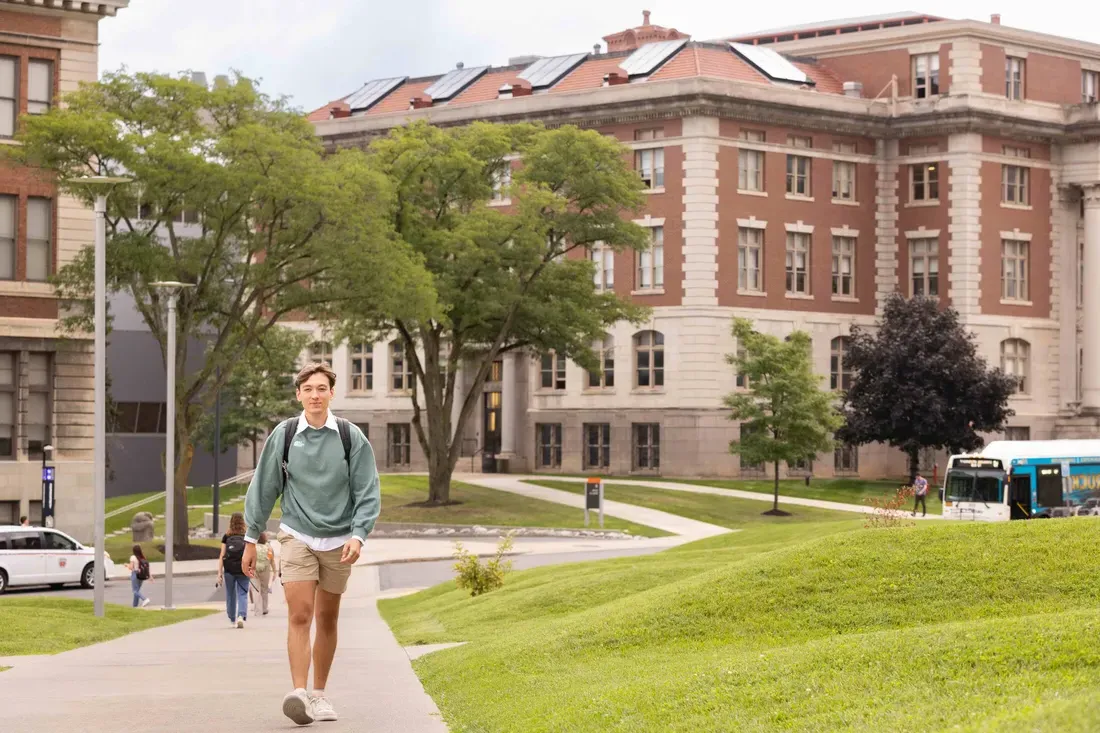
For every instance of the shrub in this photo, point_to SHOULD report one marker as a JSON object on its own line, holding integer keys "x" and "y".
{"x": 478, "y": 578}
{"x": 890, "y": 511}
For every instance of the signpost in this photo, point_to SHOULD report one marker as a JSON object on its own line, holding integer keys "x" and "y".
{"x": 47, "y": 495}
{"x": 593, "y": 498}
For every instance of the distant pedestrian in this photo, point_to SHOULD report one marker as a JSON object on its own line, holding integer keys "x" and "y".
{"x": 920, "y": 494}
{"x": 231, "y": 573}
{"x": 139, "y": 573}
{"x": 24, "y": 522}
{"x": 323, "y": 467}
{"x": 265, "y": 565}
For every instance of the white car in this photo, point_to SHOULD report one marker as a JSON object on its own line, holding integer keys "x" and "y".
{"x": 41, "y": 556}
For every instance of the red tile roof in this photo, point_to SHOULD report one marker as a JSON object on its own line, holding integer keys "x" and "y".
{"x": 324, "y": 113}
{"x": 825, "y": 81}
{"x": 485, "y": 88}
{"x": 588, "y": 75}
{"x": 398, "y": 99}
{"x": 706, "y": 61}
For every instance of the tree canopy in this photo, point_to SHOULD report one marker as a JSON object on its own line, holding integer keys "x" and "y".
{"x": 920, "y": 383}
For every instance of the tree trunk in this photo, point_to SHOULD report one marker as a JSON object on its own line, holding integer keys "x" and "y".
{"x": 183, "y": 470}
{"x": 914, "y": 463}
{"x": 775, "y": 505}
{"x": 439, "y": 468}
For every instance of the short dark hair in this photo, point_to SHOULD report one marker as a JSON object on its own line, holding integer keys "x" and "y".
{"x": 315, "y": 368}
{"x": 22, "y": 518}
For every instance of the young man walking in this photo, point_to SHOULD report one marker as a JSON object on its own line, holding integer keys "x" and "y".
{"x": 324, "y": 470}
{"x": 920, "y": 495}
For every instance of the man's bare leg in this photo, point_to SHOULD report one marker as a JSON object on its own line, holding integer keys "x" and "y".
{"x": 324, "y": 646}
{"x": 300, "y": 603}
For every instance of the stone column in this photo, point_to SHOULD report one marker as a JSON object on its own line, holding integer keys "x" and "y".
{"x": 459, "y": 398}
{"x": 1063, "y": 230}
{"x": 963, "y": 185}
{"x": 508, "y": 422}
{"x": 1090, "y": 337}
{"x": 886, "y": 222}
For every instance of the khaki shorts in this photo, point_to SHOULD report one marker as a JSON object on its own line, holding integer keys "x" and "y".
{"x": 299, "y": 563}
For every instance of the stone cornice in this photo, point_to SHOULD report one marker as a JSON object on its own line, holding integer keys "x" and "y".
{"x": 97, "y": 7}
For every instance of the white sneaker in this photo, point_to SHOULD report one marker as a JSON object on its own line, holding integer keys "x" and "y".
{"x": 145, "y": 603}
{"x": 322, "y": 709}
{"x": 240, "y": 622}
{"x": 298, "y": 706}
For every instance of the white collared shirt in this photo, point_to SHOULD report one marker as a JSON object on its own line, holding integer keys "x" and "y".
{"x": 317, "y": 544}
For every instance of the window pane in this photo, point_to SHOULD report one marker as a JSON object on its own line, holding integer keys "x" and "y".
{"x": 39, "y": 85}
{"x": 7, "y": 369}
{"x": 39, "y": 370}
{"x": 148, "y": 417}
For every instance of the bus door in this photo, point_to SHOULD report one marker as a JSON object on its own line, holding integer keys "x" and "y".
{"x": 1019, "y": 496}
{"x": 1048, "y": 486}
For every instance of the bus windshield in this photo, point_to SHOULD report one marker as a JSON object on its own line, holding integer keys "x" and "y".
{"x": 975, "y": 486}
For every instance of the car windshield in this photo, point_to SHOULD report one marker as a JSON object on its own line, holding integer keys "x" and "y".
{"x": 976, "y": 486}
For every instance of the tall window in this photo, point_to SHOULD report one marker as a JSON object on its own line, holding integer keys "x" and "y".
{"x": 604, "y": 258}
{"x": 401, "y": 376}
{"x": 750, "y": 259}
{"x": 7, "y": 237}
{"x": 549, "y": 445}
{"x": 39, "y": 228}
{"x": 597, "y": 445}
{"x": 798, "y": 175}
{"x": 925, "y": 181}
{"x": 647, "y": 446}
{"x": 798, "y": 263}
{"x": 39, "y": 86}
{"x": 1014, "y": 77}
{"x": 649, "y": 356}
{"x": 1090, "y": 86}
{"x": 1014, "y": 188}
{"x": 38, "y": 404}
{"x": 8, "y": 365}
{"x": 844, "y": 265}
{"x": 926, "y": 75}
{"x": 741, "y": 380}
{"x": 320, "y": 352}
{"x": 399, "y": 444}
{"x": 1014, "y": 361}
{"x": 553, "y": 371}
{"x": 362, "y": 367}
{"x": 846, "y": 458}
{"x": 924, "y": 266}
{"x": 801, "y": 466}
{"x": 502, "y": 179}
{"x": 605, "y": 351}
{"x": 750, "y": 163}
{"x": 844, "y": 180}
{"x": 1014, "y": 261}
{"x": 1018, "y": 433}
{"x": 651, "y": 262}
{"x": 840, "y": 374}
{"x": 650, "y": 165}
{"x": 9, "y": 95}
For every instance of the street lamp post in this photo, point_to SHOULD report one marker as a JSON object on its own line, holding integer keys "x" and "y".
{"x": 100, "y": 186}
{"x": 172, "y": 289}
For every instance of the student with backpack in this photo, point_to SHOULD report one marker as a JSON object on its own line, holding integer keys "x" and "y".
{"x": 139, "y": 573}
{"x": 323, "y": 468}
{"x": 231, "y": 572}
{"x": 265, "y": 564}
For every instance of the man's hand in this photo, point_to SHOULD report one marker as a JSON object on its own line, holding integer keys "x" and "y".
{"x": 352, "y": 548}
{"x": 248, "y": 562}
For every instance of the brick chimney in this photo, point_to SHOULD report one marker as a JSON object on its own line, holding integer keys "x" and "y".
{"x": 645, "y": 18}
{"x": 516, "y": 88}
{"x": 995, "y": 18}
{"x": 615, "y": 78}
{"x": 421, "y": 102}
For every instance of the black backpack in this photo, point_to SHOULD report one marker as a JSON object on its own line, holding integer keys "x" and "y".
{"x": 143, "y": 569}
{"x": 290, "y": 428}
{"x": 234, "y": 553}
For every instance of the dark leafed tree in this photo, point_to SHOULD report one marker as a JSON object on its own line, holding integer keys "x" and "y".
{"x": 503, "y": 281}
{"x": 920, "y": 383}
{"x": 784, "y": 414}
{"x": 231, "y": 193}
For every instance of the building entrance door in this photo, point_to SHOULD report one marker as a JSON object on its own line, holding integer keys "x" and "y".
{"x": 491, "y": 432}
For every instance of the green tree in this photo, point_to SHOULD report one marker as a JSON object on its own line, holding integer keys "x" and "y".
{"x": 920, "y": 383}
{"x": 784, "y": 414}
{"x": 274, "y": 218}
{"x": 259, "y": 393}
{"x": 515, "y": 280}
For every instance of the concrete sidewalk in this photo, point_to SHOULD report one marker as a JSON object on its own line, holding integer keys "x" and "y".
{"x": 204, "y": 676}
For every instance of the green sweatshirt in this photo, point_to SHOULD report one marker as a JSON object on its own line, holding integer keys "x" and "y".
{"x": 321, "y": 499}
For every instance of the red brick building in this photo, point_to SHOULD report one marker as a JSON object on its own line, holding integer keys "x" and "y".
{"x": 796, "y": 177}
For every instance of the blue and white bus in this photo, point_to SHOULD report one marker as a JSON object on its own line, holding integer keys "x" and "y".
{"x": 1032, "y": 479}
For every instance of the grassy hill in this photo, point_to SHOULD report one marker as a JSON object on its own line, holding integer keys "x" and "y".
{"x": 797, "y": 627}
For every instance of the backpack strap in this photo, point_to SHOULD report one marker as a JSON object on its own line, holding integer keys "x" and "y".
{"x": 289, "y": 429}
{"x": 344, "y": 428}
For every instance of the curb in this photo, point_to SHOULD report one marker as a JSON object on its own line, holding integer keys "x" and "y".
{"x": 394, "y": 561}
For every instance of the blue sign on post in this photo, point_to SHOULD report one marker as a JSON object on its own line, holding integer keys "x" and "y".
{"x": 47, "y": 495}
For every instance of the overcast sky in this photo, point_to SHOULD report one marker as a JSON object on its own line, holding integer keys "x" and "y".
{"x": 318, "y": 50}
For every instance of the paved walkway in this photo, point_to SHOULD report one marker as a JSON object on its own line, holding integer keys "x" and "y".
{"x": 204, "y": 676}
{"x": 516, "y": 484}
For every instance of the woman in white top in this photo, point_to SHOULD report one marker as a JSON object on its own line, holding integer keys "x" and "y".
{"x": 134, "y": 566}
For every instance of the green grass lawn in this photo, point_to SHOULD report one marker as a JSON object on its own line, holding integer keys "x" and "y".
{"x": 50, "y": 626}
{"x": 724, "y": 511}
{"x": 803, "y": 626}
{"x": 199, "y": 495}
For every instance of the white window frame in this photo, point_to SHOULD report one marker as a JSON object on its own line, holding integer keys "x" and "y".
{"x": 840, "y": 377}
{"x": 926, "y": 176}
{"x": 926, "y": 80}
{"x": 1016, "y": 361}
{"x": 42, "y": 242}
{"x": 651, "y": 343}
{"x": 8, "y": 231}
{"x": 650, "y": 164}
{"x": 798, "y": 243}
{"x": 361, "y": 367}
{"x": 604, "y": 259}
{"x": 1090, "y": 86}
{"x": 40, "y": 104}
{"x": 9, "y": 95}
{"x": 799, "y": 174}
{"x": 1015, "y": 71}
{"x": 320, "y": 352}
{"x": 750, "y": 259}
{"x": 1015, "y": 268}
{"x": 502, "y": 179}
{"x": 925, "y": 249}
{"x": 605, "y": 353}
{"x": 651, "y": 262}
{"x": 1015, "y": 182}
{"x": 401, "y": 372}
{"x": 844, "y": 265}
{"x": 552, "y": 365}
{"x": 844, "y": 180}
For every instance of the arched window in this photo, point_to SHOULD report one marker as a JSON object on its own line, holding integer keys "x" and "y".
{"x": 605, "y": 377}
{"x": 1015, "y": 354}
{"x": 320, "y": 352}
{"x": 649, "y": 358}
{"x": 840, "y": 374}
{"x": 400, "y": 369}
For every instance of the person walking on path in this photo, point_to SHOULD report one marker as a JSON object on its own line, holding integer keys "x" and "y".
{"x": 139, "y": 573}
{"x": 265, "y": 564}
{"x": 232, "y": 574}
{"x": 920, "y": 495}
{"x": 323, "y": 467}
